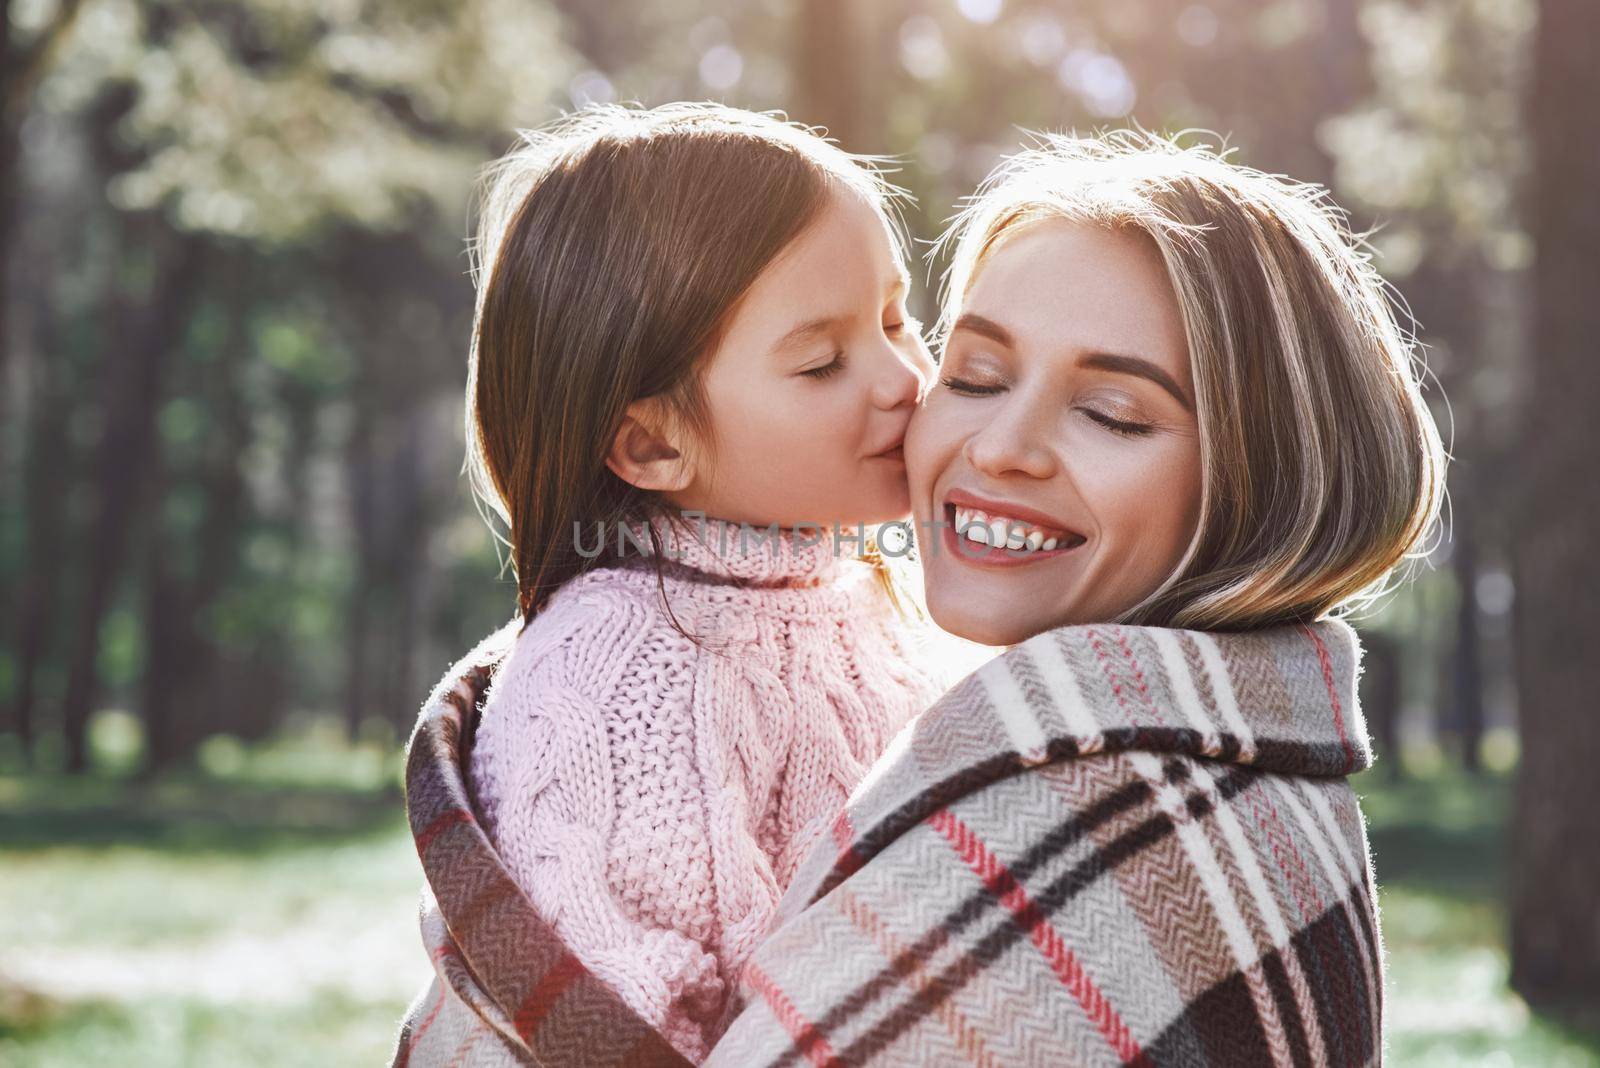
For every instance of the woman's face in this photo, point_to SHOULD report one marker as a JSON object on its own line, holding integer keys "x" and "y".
{"x": 814, "y": 383}
{"x": 1063, "y": 422}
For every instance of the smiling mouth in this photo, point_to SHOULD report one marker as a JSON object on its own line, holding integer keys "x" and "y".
{"x": 980, "y": 536}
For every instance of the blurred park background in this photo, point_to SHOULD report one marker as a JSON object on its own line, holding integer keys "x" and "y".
{"x": 236, "y": 549}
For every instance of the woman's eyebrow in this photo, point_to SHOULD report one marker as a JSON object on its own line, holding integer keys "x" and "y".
{"x": 984, "y": 327}
{"x": 1114, "y": 362}
{"x": 1139, "y": 367}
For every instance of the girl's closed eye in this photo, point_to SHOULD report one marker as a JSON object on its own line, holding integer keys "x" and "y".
{"x": 827, "y": 370}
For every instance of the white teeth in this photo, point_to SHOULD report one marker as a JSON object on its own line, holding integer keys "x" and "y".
{"x": 1014, "y": 534}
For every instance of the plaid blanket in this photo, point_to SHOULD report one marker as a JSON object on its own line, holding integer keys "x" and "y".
{"x": 1110, "y": 845}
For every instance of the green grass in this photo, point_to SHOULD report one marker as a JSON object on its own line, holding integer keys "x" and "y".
{"x": 259, "y": 912}
{"x": 1440, "y": 853}
{"x": 263, "y": 912}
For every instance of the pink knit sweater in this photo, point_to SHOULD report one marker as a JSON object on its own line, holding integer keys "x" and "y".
{"x": 653, "y": 798}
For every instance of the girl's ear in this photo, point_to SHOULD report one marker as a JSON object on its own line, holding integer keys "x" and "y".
{"x": 648, "y": 451}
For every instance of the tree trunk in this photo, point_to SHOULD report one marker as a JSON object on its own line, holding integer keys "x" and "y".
{"x": 10, "y": 194}
{"x": 830, "y": 71}
{"x": 45, "y": 487}
{"x": 1555, "y": 913}
{"x": 164, "y": 657}
{"x": 22, "y": 67}
{"x": 135, "y": 360}
{"x": 406, "y": 573}
{"x": 1466, "y": 659}
{"x": 358, "y": 609}
{"x": 1380, "y": 698}
{"x": 186, "y": 692}
{"x": 11, "y": 113}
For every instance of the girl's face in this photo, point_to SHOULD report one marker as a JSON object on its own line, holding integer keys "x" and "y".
{"x": 1065, "y": 411}
{"x": 814, "y": 383}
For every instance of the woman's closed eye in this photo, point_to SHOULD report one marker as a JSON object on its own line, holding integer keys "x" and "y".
{"x": 1125, "y": 427}
{"x": 970, "y": 389}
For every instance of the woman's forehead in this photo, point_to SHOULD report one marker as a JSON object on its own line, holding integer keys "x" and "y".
{"x": 1066, "y": 285}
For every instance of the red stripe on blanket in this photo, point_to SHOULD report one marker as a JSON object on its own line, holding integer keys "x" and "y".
{"x": 444, "y": 992}
{"x": 441, "y": 823}
{"x": 1333, "y": 694}
{"x": 537, "y": 1005}
{"x": 807, "y": 1038}
{"x": 1062, "y": 960}
{"x": 446, "y": 949}
{"x": 844, "y": 833}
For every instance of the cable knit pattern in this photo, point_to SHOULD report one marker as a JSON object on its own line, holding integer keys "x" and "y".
{"x": 654, "y": 797}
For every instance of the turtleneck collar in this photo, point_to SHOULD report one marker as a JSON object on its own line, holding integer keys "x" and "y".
{"x": 720, "y": 550}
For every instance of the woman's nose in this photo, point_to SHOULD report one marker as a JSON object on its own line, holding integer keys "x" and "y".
{"x": 906, "y": 371}
{"x": 1010, "y": 442}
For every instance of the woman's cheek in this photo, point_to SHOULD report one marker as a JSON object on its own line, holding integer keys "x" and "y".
{"x": 1122, "y": 479}
{"x": 923, "y": 443}
{"x": 1157, "y": 499}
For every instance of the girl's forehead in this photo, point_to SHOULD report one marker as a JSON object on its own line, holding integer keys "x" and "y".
{"x": 850, "y": 244}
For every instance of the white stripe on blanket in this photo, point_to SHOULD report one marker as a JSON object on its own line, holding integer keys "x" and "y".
{"x": 1014, "y": 710}
{"x": 1065, "y": 694}
{"x": 1222, "y": 687}
{"x": 1188, "y": 697}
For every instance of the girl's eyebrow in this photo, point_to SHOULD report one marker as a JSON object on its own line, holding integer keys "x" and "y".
{"x": 805, "y": 332}
{"x": 823, "y": 323}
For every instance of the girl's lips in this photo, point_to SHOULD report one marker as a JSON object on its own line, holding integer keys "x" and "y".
{"x": 897, "y": 453}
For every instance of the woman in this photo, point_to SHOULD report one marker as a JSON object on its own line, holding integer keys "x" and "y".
{"x": 1178, "y": 394}
{"x": 1176, "y": 427}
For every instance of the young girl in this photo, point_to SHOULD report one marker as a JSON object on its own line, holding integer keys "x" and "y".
{"x": 691, "y": 330}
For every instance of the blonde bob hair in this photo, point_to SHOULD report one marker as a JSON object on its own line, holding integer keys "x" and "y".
{"x": 1322, "y": 468}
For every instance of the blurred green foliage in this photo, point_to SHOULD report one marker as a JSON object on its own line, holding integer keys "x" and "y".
{"x": 236, "y": 548}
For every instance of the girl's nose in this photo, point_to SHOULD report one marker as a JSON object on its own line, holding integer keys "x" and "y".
{"x": 1009, "y": 443}
{"x": 906, "y": 371}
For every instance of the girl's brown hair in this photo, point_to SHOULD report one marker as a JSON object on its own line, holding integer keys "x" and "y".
{"x": 611, "y": 249}
{"x": 1322, "y": 467}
